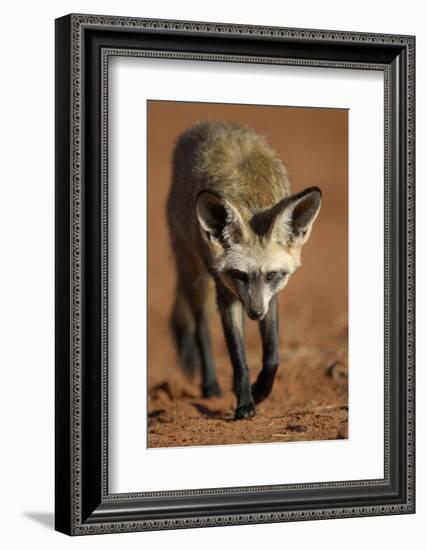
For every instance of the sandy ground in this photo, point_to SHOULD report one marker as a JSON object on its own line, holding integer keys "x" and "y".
{"x": 310, "y": 396}
{"x": 309, "y": 402}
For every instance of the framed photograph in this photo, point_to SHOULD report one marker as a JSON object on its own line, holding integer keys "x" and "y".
{"x": 234, "y": 274}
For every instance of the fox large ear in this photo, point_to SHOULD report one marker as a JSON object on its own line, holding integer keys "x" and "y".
{"x": 295, "y": 215}
{"x": 219, "y": 219}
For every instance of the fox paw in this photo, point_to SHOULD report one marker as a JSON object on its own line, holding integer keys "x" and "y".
{"x": 248, "y": 410}
{"x": 212, "y": 390}
{"x": 260, "y": 393}
{"x": 262, "y": 388}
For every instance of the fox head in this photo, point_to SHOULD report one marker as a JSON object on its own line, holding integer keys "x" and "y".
{"x": 254, "y": 256}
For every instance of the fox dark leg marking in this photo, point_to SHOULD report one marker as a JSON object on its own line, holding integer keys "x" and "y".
{"x": 192, "y": 338}
{"x": 197, "y": 290}
{"x": 210, "y": 385}
{"x": 183, "y": 328}
{"x": 232, "y": 321}
{"x": 270, "y": 347}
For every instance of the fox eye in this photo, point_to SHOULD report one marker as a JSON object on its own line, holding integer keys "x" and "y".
{"x": 271, "y": 276}
{"x": 239, "y": 275}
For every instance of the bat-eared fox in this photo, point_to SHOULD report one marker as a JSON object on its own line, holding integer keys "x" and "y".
{"x": 236, "y": 231}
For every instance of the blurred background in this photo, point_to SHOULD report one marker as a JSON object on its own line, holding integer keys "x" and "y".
{"x": 309, "y": 400}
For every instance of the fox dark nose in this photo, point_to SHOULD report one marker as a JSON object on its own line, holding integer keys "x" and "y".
{"x": 255, "y": 314}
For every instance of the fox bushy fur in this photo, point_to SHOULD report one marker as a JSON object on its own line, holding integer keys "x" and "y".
{"x": 236, "y": 233}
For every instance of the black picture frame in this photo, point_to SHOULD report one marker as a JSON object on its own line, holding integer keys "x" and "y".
{"x": 83, "y": 45}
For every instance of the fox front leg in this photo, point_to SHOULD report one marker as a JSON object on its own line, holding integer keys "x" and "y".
{"x": 210, "y": 385}
{"x": 270, "y": 347}
{"x": 231, "y": 312}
